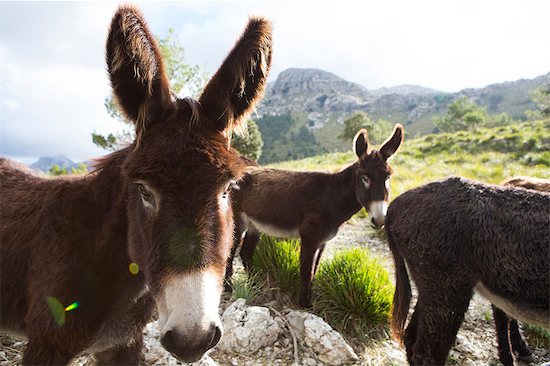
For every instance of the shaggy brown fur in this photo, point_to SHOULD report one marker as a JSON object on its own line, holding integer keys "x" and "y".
{"x": 310, "y": 205}
{"x": 455, "y": 235}
{"x": 157, "y": 203}
{"x": 508, "y": 334}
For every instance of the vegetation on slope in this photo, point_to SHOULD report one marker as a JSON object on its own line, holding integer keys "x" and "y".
{"x": 485, "y": 154}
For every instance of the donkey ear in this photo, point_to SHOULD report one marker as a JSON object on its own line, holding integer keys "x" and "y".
{"x": 361, "y": 143}
{"x": 240, "y": 81}
{"x": 135, "y": 68}
{"x": 391, "y": 145}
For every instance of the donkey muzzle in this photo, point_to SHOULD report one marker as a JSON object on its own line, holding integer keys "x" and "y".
{"x": 191, "y": 347}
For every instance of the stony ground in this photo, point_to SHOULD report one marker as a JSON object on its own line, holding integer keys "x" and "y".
{"x": 475, "y": 345}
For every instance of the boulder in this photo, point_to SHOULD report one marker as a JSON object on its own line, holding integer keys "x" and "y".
{"x": 327, "y": 344}
{"x": 248, "y": 328}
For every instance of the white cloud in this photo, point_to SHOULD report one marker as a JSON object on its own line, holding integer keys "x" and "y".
{"x": 53, "y": 79}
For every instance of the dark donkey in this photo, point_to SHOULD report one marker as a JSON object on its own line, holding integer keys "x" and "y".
{"x": 508, "y": 334}
{"x": 456, "y": 235}
{"x": 312, "y": 205}
{"x": 159, "y": 206}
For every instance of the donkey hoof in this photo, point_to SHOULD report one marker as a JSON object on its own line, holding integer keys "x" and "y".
{"x": 306, "y": 304}
{"x": 527, "y": 357}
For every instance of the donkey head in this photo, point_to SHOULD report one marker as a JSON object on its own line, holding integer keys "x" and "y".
{"x": 372, "y": 184}
{"x": 179, "y": 171}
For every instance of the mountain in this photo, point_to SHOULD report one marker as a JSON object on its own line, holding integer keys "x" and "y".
{"x": 313, "y": 104}
{"x": 45, "y": 163}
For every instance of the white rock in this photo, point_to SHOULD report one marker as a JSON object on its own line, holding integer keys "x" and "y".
{"x": 248, "y": 328}
{"x": 327, "y": 344}
{"x": 395, "y": 357}
{"x": 464, "y": 345}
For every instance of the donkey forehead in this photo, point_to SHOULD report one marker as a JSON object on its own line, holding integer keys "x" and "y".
{"x": 375, "y": 164}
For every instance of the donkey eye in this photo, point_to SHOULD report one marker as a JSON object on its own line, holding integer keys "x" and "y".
{"x": 365, "y": 180}
{"x": 145, "y": 194}
{"x": 231, "y": 186}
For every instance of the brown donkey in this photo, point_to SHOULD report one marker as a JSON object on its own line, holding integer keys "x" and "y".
{"x": 456, "y": 235}
{"x": 312, "y": 205}
{"x": 152, "y": 225}
{"x": 508, "y": 334}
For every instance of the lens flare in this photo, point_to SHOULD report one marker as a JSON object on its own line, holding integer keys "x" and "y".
{"x": 134, "y": 268}
{"x": 58, "y": 311}
{"x": 73, "y": 306}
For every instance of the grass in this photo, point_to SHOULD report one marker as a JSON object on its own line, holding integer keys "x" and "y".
{"x": 353, "y": 292}
{"x": 244, "y": 286}
{"x": 536, "y": 336}
{"x": 487, "y": 154}
{"x": 277, "y": 262}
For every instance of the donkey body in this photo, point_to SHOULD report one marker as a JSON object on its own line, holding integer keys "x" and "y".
{"x": 152, "y": 225}
{"x": 311, "y": 205}
{"x": 508, "y": 335}
{"x": 456, "y": 235}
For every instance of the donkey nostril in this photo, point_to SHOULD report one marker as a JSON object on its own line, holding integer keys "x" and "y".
{"x": 216, "y": 336}
{"x": 167, "y": 342}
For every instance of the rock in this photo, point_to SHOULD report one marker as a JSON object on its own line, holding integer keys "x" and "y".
{"x": 463, "y": 345}
{"x": 248, "y": 328}
{"x": 468, "y": 362}
{"x": 327, "y": 344}
{"x": 309, "y": 362}
{"x": 395, "y": 357}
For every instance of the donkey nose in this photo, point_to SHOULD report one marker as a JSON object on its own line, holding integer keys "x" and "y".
{"x": 377, "y": 224}
{"x": 191, "y": 347}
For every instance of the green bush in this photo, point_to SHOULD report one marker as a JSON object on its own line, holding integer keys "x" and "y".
{"x": 245, "y": 286}
{"x": 278, "y": 261}
{"x": 353, "y": 292}
{"x": 536, "y": 336}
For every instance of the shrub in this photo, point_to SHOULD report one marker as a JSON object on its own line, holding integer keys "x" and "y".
{"x": 279, "y": 262}
{"x": 245, "y": 286}
{"x": 353, "y": 292}
{"x": 536, "y": 336}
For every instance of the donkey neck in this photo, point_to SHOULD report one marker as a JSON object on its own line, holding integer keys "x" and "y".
{"x": 342, "y": 190}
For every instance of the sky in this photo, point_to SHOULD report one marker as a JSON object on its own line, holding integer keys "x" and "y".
{"x": 52, "y": 69}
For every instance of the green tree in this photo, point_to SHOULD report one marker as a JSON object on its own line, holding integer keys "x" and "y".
{"x": 462, "y": 114}
{"x": 56, "y": 170}
{"x": 378, "y": 131}
{"x": 249, "y": 144}
{"x": 184, "y": 79}
{"x": 541, "y": 97}
{"x": 80, "y": 169}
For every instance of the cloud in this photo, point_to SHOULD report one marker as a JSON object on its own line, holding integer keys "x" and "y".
{"x": 52, "y": 69}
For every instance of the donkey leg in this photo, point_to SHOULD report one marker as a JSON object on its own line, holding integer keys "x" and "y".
{"x": 502, "y": 326}
{"x": 409, "y": 338}
{"x": 518, "y": 344}
{"x": 249, "y": 246}
{"x": 42, "y": 353}
{"x": 307, "y": 263}
{"x": 129, "y": 354}
{"x": 318, "y": 257}
{"x": 240, "y": 228}
{"x": 438, "y": 325}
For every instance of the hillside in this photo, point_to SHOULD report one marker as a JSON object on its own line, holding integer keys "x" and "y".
{"x": 313, "y": 104}
{"x": 488, "y": 154}
{"x": 45, "y": 163}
